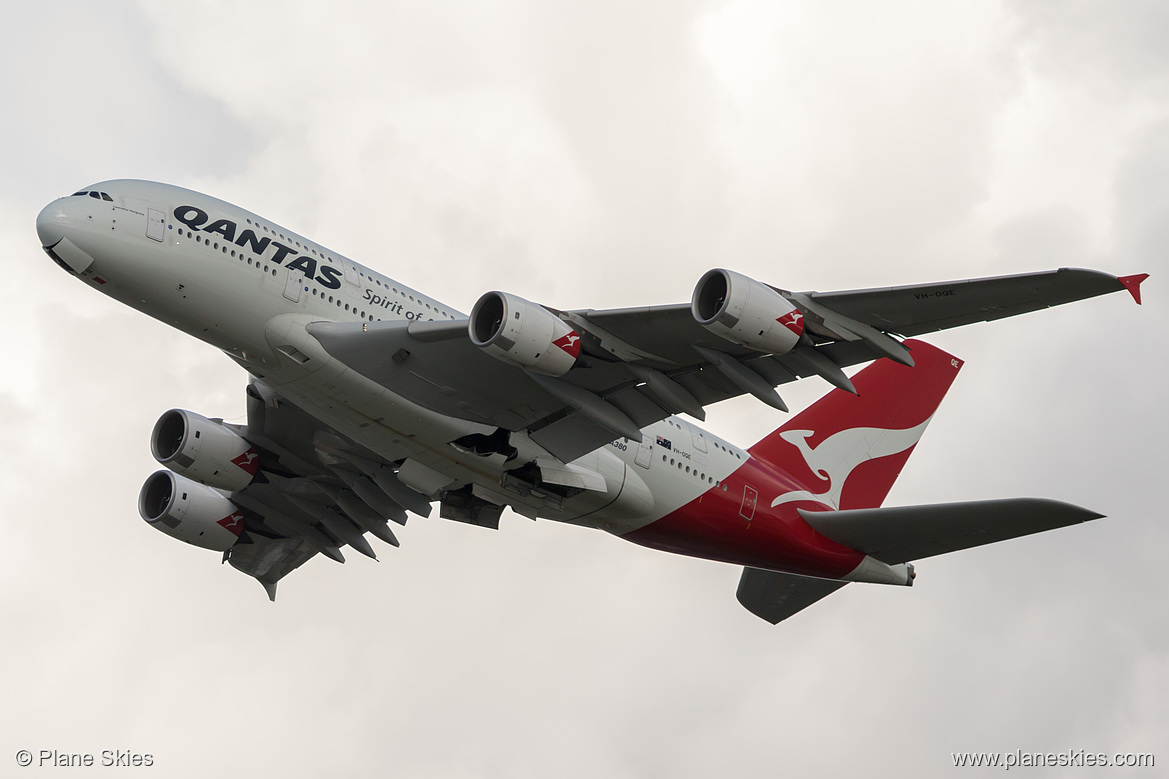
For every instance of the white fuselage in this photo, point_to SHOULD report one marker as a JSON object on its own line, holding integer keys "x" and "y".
{"x": 249, "y": 287}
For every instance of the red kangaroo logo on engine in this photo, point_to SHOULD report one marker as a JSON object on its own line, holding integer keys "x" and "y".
{"x": 569, "y": 343}
{"x": 248, "y": 461}
{"x": 793, "y": 321}
{"x": 234, "y": 523}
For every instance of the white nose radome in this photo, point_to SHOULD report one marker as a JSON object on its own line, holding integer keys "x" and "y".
{"x": 53, "y": 224}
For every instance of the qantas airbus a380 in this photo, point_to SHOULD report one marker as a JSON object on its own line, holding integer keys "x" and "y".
{"x": 367, "y": 400}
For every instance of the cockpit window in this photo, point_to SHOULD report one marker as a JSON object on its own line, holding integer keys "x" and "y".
{"x": 94, "y": 195}
{"x": 106, "y": 197}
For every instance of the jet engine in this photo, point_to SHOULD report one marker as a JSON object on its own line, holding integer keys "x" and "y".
{"x": 190, "y": 511}
{"x": 203, "y": 450}
{"x": 523, "y": 333}
{"x": 746, "y": 312}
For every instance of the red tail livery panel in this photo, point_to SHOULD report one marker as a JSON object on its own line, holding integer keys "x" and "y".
{"x": 849, "y": 449}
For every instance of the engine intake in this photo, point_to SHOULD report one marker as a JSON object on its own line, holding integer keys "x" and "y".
{"x": 190, "y": 511}
{"x": 203, "y": 450}
{"x": 746, "y": 312}
{"x": 523, "y": 333}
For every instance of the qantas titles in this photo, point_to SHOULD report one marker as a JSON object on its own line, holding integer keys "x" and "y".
{"x": 322, "y": 273}
{"x": 195, "y": 218}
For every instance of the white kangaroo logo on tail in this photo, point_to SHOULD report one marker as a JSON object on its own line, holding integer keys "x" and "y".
{"x": 839, "y": 454}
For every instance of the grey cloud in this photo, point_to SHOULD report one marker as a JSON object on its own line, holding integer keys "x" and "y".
{"x": 1142, "y": 200}
{"x": 1115, "y": 51}
{"x": 94, "y": 104}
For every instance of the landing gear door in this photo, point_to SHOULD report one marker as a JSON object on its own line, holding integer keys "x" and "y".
{"x": 645, "y": 452}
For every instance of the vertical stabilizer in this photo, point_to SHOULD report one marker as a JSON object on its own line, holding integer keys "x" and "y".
{"x": 849, "y": 449}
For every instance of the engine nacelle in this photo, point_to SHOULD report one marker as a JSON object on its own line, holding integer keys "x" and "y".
{"x": 523, "y": 333}
{"x": 742, "y": 310}
{"x": 205, "y": 451}
{"x": 190, "y": 511}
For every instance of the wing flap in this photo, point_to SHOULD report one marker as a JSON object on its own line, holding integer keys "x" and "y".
{"x": 775, "y": 596}
{"x": 902, "y": 533}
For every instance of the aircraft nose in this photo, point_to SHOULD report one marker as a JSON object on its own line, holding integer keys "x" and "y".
{"x": 51, "y": 222}
{"x": 54, "y": 224}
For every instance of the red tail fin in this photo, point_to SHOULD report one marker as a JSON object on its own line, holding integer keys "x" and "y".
{"x": 849, "y": 449}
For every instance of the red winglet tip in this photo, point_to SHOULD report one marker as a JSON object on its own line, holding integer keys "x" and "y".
{"x": 1133, "y": 285}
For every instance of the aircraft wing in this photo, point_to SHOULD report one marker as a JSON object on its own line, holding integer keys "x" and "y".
{"x": 435, "y": 365}
{"x": 639, "y": 365}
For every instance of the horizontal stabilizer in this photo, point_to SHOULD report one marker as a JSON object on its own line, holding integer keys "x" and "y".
{"x": 903, "y": 533}
{"x": 776, "y": 596}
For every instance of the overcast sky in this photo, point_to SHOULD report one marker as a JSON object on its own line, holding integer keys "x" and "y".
{"x": 601, "y": 155}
